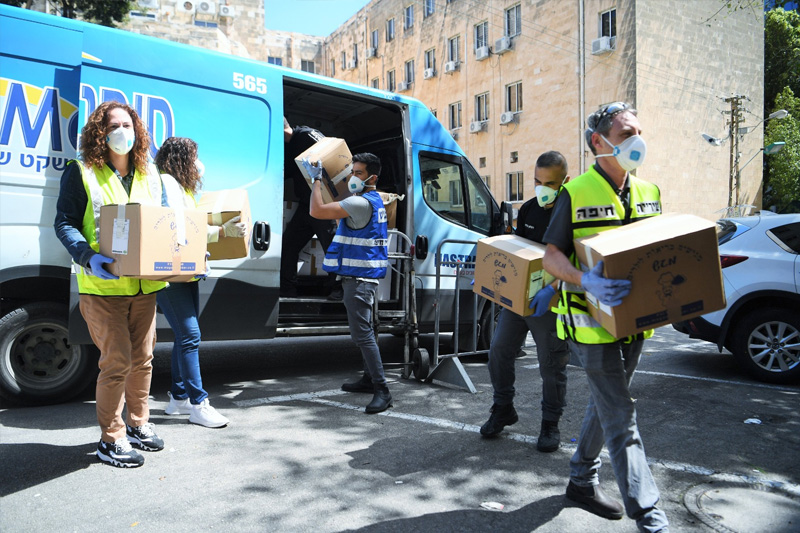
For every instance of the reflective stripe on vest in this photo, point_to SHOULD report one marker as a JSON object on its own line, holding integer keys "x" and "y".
{"x": 104, "y": 188}
{"x": 595, "y": 208}
{"x": 361, "y": 253}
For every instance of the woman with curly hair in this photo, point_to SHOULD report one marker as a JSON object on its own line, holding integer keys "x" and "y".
{"x": 120, "y": 311}
{"x": 181, "y": 174}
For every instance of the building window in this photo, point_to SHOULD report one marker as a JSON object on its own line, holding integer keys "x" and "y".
{"x": 514, "y": 97}
{"x": 430, "y": 8}
{"x": 390, "y": 80}
{"x": 307, "y": 66}
{"x": 515, "y": 192}
{"x": 344, "y": 60}
{"x": 481, "y": 35}
{"x": 376, "y": 82}
{"x": 514, "y": 156}
{"x": 408, "y": 17}
{"x": 455, "y": 115}
{"x": 204, "y": 24}
{"x": 487, "y": 180}
{"x": 434, "y": 113}
{"x": 481, "y": 162}
{"x": 410, "y": 71}
{"x": 374, "y": 39}
{"x": 275, "y": 61}
{"x": 513, "y": 25}
{"x": 608, "y": 23}
{"x": 355, "y": 54}
{"x": 430, "y": 59}
{"x": 333, "y": 67}
{"x": 482, "y": 107}
{"x": 453, "y": 45}
{"x": 389, "y": 30}
{"x": 456, "y": 196}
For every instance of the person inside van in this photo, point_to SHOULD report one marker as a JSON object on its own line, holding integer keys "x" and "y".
{"x": 181, "y": 174}
{"x": 359, "y": 256}
{"x": 302, "y": 226}
{"x": 119, "y": 311}
{"x": 553, "y": 353}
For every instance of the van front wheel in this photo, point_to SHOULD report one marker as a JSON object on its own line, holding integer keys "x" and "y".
{"x": 37, "y": 364}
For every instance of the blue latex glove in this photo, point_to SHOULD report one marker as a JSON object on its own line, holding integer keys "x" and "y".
{"x": 314, "y": 172}
{"x": 609, "y": 291}
{"x": 541, "y": 300}
{"x": 96, "y": 263}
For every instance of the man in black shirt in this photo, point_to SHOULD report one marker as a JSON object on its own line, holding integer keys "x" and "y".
{"x": 553, "y": 354}
{"x": 302, "y": 226}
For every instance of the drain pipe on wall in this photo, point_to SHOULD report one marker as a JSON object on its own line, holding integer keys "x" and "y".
{"x": 581, "y": 86}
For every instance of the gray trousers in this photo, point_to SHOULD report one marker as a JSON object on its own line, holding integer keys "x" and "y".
{"x": 611, "y": 420}
{"x": 552, "y": 352}
{"x": 358, "y": 299}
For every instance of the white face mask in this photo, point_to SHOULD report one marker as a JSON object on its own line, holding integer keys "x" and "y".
{"x": 545, "y": 195}
{"x": 355, "y": 185}
{"x": 121, "y": 140}
{"x": 629, "y": 153}
{"x": 201, "y": 168}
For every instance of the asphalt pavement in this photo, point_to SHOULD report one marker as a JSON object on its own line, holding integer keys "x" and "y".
{"x": 300, "y": 455}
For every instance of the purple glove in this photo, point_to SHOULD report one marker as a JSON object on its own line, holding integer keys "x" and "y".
{"x": 609, "y": 291}
{"x": 541, "y": 300}
{"x": 96, "y": 263}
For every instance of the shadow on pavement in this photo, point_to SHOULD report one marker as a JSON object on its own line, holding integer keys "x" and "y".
{"x": 34, "y": 464}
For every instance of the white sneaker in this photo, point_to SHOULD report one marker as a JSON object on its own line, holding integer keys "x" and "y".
{"x": 177, "y": 407}
{"x": 205, "y": 415}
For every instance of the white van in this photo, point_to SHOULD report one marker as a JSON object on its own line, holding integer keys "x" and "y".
{"x": 55, "y": 71}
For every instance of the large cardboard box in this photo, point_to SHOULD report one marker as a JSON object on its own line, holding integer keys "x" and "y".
{"x": 673, "y": 264}
{"x": 222, "y": 206}
{"x": 337, "y": 162}
{"x": 508, "y": 271}
{"x": 144, "y": 241}
{"x": 390, "y": 201}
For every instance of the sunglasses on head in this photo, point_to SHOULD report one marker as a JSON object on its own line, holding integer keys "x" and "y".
{"x": 612, "y": 109}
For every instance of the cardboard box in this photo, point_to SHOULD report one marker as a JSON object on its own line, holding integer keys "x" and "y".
{"x": 222, "y": 206}
{"x": 144, "y": 241}
{"x": 673, "y": 263}
{"x": 337, "y": 162}
{"x": 310, "y": 259}
{"x": 508, "y": 271}
{"x": 390, "y": 201}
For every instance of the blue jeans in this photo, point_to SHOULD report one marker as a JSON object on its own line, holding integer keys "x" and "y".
{"x": 611, "y": 420}
{"x": 358, "y": 299}
{"x": 552, "y": 352}
{"x": 180, "y": 303}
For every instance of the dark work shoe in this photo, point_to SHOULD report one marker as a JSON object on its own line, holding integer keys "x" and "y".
{"x": 144, "y": 437}
{"x": 549, "y": 437}
{"x": 336, "y": 294}
{"x": 381, "y": 401}
{"x": 502, "y": 416}
{"x": 362, "y": 385}
{"x": 594, "y": 500}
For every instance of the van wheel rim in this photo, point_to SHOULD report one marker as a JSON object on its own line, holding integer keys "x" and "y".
{"x": 775, "y": 346}
{"x": 40, "y": 357}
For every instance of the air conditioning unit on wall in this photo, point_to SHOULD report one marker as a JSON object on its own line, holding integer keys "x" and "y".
{"x": 482, "y": 53}
{"x": 428, "y": 73}
{"x": 185, "y": 6}
{"x": 149, "y": 4}
{"x": 226, "y": 11}
{"x": 475, "y": 127}
{"x": 351, "y": 64}
{"x": 371, "y": 52}
{"x": 402, "y": 86}
{"x": 601, "y": 45}
{"x": 502, "y": 45}
{"x": 508, "y": 117}
{"x": 206, "y": 8}
{"x": 450, "y": 67}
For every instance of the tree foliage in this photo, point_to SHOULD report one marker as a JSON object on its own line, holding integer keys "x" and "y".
{"x": 781, "y": 54}
{"x": 783, "y": 171}
{"x": 104, "y": 12}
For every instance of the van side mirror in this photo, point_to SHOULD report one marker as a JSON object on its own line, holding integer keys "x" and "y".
{"x": 261, "y": 236}
{"x": 502, "y": 221}
{"x": 421, "y": 247}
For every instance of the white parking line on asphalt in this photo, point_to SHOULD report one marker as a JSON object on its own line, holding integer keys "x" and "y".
{"x": 320, "y": 398}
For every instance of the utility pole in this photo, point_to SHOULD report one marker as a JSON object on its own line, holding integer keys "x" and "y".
{"x": 734, "y": 123}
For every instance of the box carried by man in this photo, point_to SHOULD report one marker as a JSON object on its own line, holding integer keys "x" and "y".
{"x": 673, "y": 264}
{"x": 150, "y": 242}
{"x": 337, "y": 162}
{"x": 222, "y": 206}
{"x": 508, "y": 271}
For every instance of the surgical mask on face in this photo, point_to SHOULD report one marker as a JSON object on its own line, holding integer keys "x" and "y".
{"x": 201, "y": 168}
{"x": 121, "y": 140}
{"x": 545, "y": 195}
{"x": 629, "y": 153}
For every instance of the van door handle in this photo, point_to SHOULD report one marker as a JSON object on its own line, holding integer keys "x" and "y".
{"x": 261, "y": 236}
{"x": 421, "y": 247}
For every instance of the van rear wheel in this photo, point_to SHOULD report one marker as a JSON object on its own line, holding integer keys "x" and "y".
{"x": 37, "y": 364}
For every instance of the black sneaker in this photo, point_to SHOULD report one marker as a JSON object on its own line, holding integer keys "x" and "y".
{"x": 549, "y": 437}
{"x": 144, "y": 437}
{"x": 119, "y": 454}
{"x": 502, "y": 416}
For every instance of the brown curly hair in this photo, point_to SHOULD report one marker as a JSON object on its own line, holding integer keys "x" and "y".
{"x": 176, "y": 157}
{"x": 94, "y": 149}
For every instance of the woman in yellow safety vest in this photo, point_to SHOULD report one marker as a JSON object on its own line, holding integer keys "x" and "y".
{"x": 181, "y": 173}
{"x": 120, "y": 312}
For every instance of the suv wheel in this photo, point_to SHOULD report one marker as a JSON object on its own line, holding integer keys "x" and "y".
{"x": 767, "y": 345}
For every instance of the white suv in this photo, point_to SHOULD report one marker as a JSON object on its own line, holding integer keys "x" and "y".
{"x": 761, "y": 271}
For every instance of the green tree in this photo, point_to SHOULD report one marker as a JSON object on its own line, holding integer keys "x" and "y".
{"x": 105, "y": 12}
{"x": 782, "y": 174}
{"x": 781, "y": 54}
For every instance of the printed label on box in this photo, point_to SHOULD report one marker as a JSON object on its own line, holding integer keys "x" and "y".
{"x": 160, "y": 266}
{"x": 188, "y": 267}
{"x": 119, "y": 239}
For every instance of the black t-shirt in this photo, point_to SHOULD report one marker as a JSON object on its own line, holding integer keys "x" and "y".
{"x": 559, "y": 233}
{"x": 302, "y": 139}
{"x": 532, "y": 220}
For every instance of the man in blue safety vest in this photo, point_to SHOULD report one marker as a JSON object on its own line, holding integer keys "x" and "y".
{"x": 359, "y": 256}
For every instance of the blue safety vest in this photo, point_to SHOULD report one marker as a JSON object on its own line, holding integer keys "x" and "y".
{"x": 361, "y": 253}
